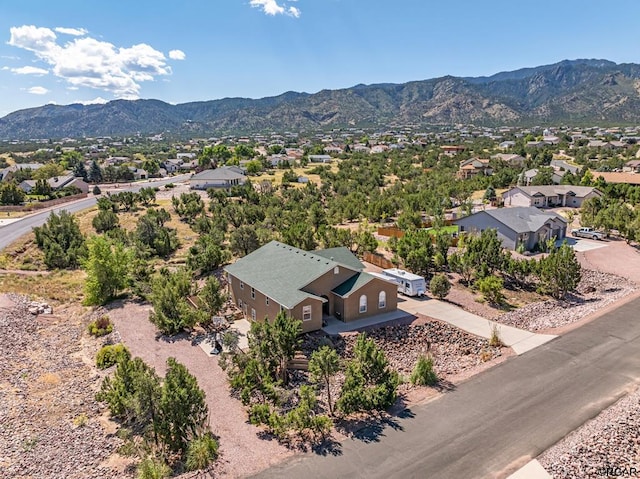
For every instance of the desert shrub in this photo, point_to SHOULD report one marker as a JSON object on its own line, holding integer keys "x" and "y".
{"x": 491, "y": 289}
{"x": 495, "y": 340}
{"x": 111, "y": 354}
{"x": 423, "y": 374}
{"x": 440, "y": 286}
{"x": 100, "y": 327}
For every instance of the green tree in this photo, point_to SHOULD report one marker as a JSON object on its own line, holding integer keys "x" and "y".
{"x": 11, "y": 194}
{"x": 188, "y": 206}
{"x": 61, "y": 241}
{"x": 95, "y": 172}
{"x": 105, "y": 220}
{"x": 370, "y": 383}
{"x": 183, "y": 409}
{"x": 415, "y": 249}
{"x": 50, "y": 170}
{"x": 80, "y": 171}
{"x": 560, "y": 272}
{"x": 211, "y": 298}
{"x": 133, "y": 394}
{"x": 153, "y": 237}
{"x": 244, "y": 240}
{"x": 171, "y": 311}
{"x": 440, "y": 286}
{"x": 491, "y": 289}
{"x": 207, "y": 255}
{"x": 107, "y": 266}
{"x": 323, "y": 365}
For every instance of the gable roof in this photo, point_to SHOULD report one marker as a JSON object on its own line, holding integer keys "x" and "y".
{"x": 523, "y": 219}
{"x": 280, "y": 271}
{"x": 218, "y": 174}
{"x": 341, "y": 255}
{"x": 353, "y": 284}
{"x": 555, "y": 190}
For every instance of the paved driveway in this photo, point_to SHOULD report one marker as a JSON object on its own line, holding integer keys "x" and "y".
{"x": 582, "y": 244}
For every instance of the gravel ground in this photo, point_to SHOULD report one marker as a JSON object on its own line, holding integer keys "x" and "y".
{"x": 50, "y": 424}
{"x": 595, "y": 291}
{"x": 611, "y": 440}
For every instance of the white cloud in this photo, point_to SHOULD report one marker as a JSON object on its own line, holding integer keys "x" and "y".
{"x": 177, "y": 55}
{"x": 96, "y": 101}
{"x": 294, "y": 12}
{"x": 38, "y": 90}
{"x": 87, "y": 62}
{"x": 29, "y": 71}
{"x": 272, "y": 7}
{"x": 76, "y": 32}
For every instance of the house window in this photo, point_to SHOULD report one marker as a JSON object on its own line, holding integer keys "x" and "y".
{"x": 241, "y": 285}
{"x": 382, "y": 300}
{"x": 336, "y": 270}
{"x": 267, "y": 300}
{"x": 253, "y": 314}
{"x": 253, "y": 293}
{"x": 363, "y": 303}
{"x": 306, "y": 313}
{"x": 240, "y": 303}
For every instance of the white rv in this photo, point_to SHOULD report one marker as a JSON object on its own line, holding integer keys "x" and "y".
{"x": 409, "y": 284}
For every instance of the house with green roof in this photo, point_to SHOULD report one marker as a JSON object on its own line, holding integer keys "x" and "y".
{"x": 307, "y": 285}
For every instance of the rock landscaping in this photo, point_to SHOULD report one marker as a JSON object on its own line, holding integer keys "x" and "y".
{"x": 49, "y": 420}
{"x": 607, "y": 446}
{"x": 454, "y": 350}
{"x": 595, "y": 291}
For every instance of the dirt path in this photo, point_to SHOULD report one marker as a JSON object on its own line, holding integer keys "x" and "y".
{"x": 242, "y": 452}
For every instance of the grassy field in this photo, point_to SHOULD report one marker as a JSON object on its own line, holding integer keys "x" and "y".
{"x": 477, "y": 195}
{"x": 275, "y": 176}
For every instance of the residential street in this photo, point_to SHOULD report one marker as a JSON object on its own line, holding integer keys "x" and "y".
{"x": 497, "y": 421}
{"x": 11, "y": 232}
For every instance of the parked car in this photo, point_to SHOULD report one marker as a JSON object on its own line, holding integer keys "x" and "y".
{"x": 587, "y": 233}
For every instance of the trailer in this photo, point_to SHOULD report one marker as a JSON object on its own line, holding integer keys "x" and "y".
{"x": 409, "y": 284}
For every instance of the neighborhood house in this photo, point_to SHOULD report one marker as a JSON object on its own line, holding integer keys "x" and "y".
{"x": 549, "y": 196}
{"x": 522, "y": 225}
{"x": 223, "y": 177}
{"x": 307, "y": 285}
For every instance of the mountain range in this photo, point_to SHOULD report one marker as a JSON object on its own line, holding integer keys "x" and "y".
{"x": 569, "y": 92}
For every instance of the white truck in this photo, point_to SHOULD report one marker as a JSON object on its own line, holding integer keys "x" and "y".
{"x": 409, "y": 284}
{"x": 587, "y": 233}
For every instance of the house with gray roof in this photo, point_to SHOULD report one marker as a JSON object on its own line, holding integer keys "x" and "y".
{"x": 524, "y": 225}
{"x": 307, "y": 285}
{"x": 223, "y": 177}
{"x": 549, "y": 196}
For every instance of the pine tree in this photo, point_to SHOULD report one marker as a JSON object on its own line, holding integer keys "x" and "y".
{"x": 323, "y": 365}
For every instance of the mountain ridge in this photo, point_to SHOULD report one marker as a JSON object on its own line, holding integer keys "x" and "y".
{"x": 583, "y": 90}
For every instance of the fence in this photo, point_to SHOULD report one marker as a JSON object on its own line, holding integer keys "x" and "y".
{"x": 43, "y": 204}
{"x": 378, "y": 260}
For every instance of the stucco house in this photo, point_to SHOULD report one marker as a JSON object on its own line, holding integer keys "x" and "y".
{"x": 57, "y": 183}
{"x": 523, "y": 224}
{"x": 549, "y": 196}
{"x": 307, "y": 285}
{"x": 223, "y": 177}
{"x": 474, "y": 166}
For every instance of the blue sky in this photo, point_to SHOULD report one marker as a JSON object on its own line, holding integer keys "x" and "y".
{"x": 68, "y": 51}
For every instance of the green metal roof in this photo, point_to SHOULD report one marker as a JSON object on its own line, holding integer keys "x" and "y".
{"x": 341, "y": 255}
{"x": 352, "y": 284}
{"x": 280, "y": 272}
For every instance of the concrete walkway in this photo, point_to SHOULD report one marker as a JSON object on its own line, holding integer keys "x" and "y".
{"x": 519, "y": 340}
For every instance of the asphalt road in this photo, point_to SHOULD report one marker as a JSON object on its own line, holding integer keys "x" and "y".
{"x": 11, "y": 232}
{"x": 497, "y": 421}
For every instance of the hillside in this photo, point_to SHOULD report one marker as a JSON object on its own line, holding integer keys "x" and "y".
{"x": 578, "y": 91}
